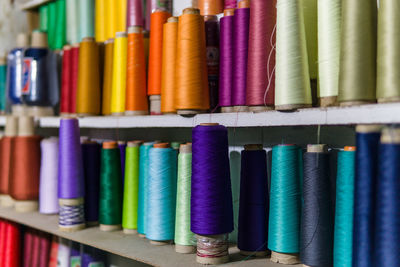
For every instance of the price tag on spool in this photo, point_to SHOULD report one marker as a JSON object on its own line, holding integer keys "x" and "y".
{"x": 28, "y": 66}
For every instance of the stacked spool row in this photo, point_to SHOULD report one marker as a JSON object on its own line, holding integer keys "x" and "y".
{"x": 24, "y": 247}
{"x": 303, "y": 212}
{"x": 260, "y": 55}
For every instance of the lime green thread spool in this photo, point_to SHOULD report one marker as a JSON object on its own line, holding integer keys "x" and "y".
{"x": 110, "y": 210}
{"x": 183, "y": 235}
{"x": 131, "y": 188}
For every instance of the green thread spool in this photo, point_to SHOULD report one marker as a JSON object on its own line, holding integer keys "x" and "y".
{"x": 131, "y": 188}
{"x": 86, "y": 19}
{"x": 3, "y": 77}
{"x": 357, "y": 80}
{"x": 285, "y": 204}
{"x": 310, "y": 12}
{"x": 51, "y": 23}
{"x": 60, "y": 28}
{"x": 43, "y": 18}
{"x": 388, "y": 78}
{"x": 343, "y": 239}
{"x": 329, "y": 29}
{"x": 292, "y": 82}
{"x": 110, "y": 210}
{"x": 183, "y": 235}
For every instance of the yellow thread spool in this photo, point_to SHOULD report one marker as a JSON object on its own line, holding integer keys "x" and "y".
{"x": 110, "y": 19}
{"x": 118, "y": 94}
{"x": 100, "y": 23}
{"x": 88, "y": 89}
{"x": 121, "y": 10}
{"x": 107, "y": 76}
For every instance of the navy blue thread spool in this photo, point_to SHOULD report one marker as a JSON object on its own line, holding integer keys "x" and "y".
{"x": 253, "y": 211}
{"x": 367, "y": 137}
{"x": 387, "y": 211}
{"x": 317, "y": 222}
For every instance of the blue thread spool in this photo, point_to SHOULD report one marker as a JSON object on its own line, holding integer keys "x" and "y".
{"x": 387, "y": 206}
{"x": 161, "y": 194}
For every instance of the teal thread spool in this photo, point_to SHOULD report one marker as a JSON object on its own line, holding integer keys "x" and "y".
{"x": 110, "y": 208}
{"x": 72, "y": 21}
{"x": 183, "y": 235}
{"x": 86, "y": 19}
{"x": 3, "y": 77}
{"x": 161, "y": 195}
{"x": 285, "y": 204}
{"x": 343, "y": 237}
{"x": 143, "y": 180}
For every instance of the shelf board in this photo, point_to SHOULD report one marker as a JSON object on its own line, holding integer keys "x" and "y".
{"x": 33, "y": 4}
{"x": 129, "y": 246}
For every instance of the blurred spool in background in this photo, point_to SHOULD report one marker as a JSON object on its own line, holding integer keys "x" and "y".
{"x": 292, "y": 81}
{"x": 226, "y": 61}
{"x": 135, "y": 13}
{"x": 91, "y": 167}
{"x": 118, "y": 91}
{"x": 107, "y": 78}
{"x": 158, "y": 18}
{"x": 230, "y": 4}
{"x": 254, "y": 198}
{"x": 152, "y": 6}
{"x": 260, "y": 89}
{"x": 136, "y": 97}
{"x": 192, "y": 93}
{"x": 74, "y": 77}
{"x": 100, "y": 21}
{"x": 3, "y": 77}
{"x": 72, "y": 21}
{"x": 48, "y": 199}
{"x": 66, "y": 81}
{"x": 59, "y": 39}
{"x": 210, "y": 7}
{"x": 343, "y": 239}
{"x": 110, "y": 205}
{"x": 70, "y": 177}
{"x": 211, "y": 196}
{"x": 85, "y": 12}
{"x": 183, "y": 236}
{"x": 285, "y": 204}
{"x": 88, "y": 89}
{"x": 168, "y": 66}
{"x": 357, "y": 78}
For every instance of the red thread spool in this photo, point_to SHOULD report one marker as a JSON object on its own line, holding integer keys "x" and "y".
{"x": 45, "y": 245}
{"x": 2, "y": 239}
{"x": 35, "y": 249}
{"x": 53, "y": 253}
{"x": 12, "y": 246}
{"x": 25, "y": 171}
{"x": 74, "y": 76}
{"x": 28, "y": 243}
{"x": 66, "y": 81}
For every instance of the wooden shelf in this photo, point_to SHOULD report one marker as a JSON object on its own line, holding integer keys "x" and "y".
{"x": 33, "y": 4}
{"x": 129, "y": 246}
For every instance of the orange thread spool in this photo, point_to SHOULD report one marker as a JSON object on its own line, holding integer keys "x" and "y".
{"x": 211, "y": 7}
{"x": 6, "y": 144}
{"x": 158, "y": 18}
{"x": 191, "y": 91}
{"x": 107, "y": 78}
{"x": 168, "y": 66}
{"x": 88, "y": 91}
{"x": 136, "y": 97}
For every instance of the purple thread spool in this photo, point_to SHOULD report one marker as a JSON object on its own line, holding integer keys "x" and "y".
{"x": 240, "y": 50}
{"x": 226, "y": 62}
{"x": 135, "y": 13}
{"x": 70, "y": 177}
{"x": 211, "y": 195}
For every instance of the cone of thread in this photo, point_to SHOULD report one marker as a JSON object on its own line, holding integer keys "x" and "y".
{"x": 107, "y": 78}
{"x": 118, "y": 91}
{"x": 100, "y": 23}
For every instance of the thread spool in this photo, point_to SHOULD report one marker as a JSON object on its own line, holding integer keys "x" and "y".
{"x": 136, "y": 97}
{"x": 3, "y": 78}
{"x": 43, "y": 18}
{"x": 121, "y": 15}
{"x": 212, "y": 52}
{"x": 241, "y": 21}
{"x": 107, "y": 78}
{"x": 387, "y": 82}
{"x": 118, "y": 91}
{"x": 357, "y": 78}
{"x": 152, "y": 6}
{"x": 91, "y": 167}
{"x": 292, "y": 82}
{"x": 75, "y": 254}
{"x": 11, "y": 131}
{"x": 48, "y": 199}
{"x": 210, "y": 7}
{"x": 260, "y": 89}
{"x": 110, "y": 17}
{"x": 70, "y": 177}
{"x": 74, "y": 76}
{"x": 367, "y": 140}
{"x": 210, "y": 149}
{"x": 161, "y": 204}
{"x": 226, "y": 62}
{"x": 253, "y": 211}
{"x": 53, "y": 252}
{"x": 285, "y": 204}
{"x": 131, "y": 188}
{"x": 329, "y": 31}
{"x": 230, "y": 4}
{"x": 88, "y": 89}
{"x": 192, "y": 92}
{"x": 60, "y": 26}
{"x": 72, "y": 21}
{"x": 158, "y": 18}
{"x": 85, "y": 19}
{"x": 176, "y": 145}
{"x": 343, "y": 238}
{"x": 135, "y": 13}
{"x": 110, "y": 208}
{"x": 51, "y": 23}
{"x": 143, "y": 187}
{"x": 316, "y": 243}
{"x": 183, "y": 235}
{"x": 168, "y": 66}
{"x": 100, "y": 21}
{"x": 66, "y": 81}
{"x": 12, "y": 245}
